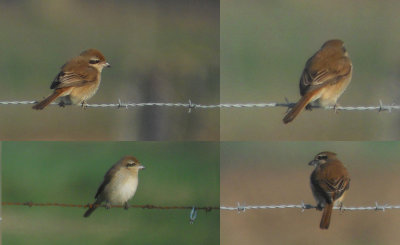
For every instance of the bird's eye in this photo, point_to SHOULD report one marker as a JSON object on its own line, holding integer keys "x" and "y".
{"x": 131, "y": 164}
{"x": 94, "y": 61}
{"x": 322, "y": 157}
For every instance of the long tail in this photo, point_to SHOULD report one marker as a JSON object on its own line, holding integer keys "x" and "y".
{"x": 91, "y": 209}
{"x": 303, "y": 102}
{"x": 42, "y": 104}
{"x": 326, "y": 216}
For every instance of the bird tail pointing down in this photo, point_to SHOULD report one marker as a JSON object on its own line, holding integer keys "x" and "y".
{"x": 303, "y": 102}
{"x": 326, "y": 216}
{"x": 42, "y": 104}
{"x": 91, "y": 209}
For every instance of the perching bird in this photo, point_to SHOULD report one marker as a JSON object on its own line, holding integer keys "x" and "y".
{"x": 78, "y": 79}
{"x": 329, "y": 183}
{"x": 325, "y": 77}
{"x": 119, "y": 184}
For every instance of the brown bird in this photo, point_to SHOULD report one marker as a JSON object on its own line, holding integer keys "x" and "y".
{"x": 329, "y": 182}
{"x": 119, "y": 184}
{"x": 78, "y": 79}
{"x": 325, "y": 77}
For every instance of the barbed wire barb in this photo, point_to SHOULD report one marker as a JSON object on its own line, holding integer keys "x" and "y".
{"x": 192, "y": 215}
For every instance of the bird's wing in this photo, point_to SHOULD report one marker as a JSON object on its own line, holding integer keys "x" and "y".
{"x": 335, "y": 186}
{"x": 106, "y": 181}
{"x": 72, "y": 79}
{"x": 330, "y": 74}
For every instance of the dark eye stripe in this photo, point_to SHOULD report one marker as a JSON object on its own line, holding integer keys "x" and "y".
{"x": 94, "y": 61}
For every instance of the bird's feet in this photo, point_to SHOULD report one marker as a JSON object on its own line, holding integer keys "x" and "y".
{"x": 84, "y": 105}
{"x": 341, "y": 208}
{"x": 126, "y": 205}
{"x": 335, "y": 108}
{"x": 61, "y": 104}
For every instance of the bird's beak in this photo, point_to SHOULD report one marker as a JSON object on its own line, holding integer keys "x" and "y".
{"x": 107, "y": 64}
{"x": 141, "y": 167}
{"x": 313, "y": 163}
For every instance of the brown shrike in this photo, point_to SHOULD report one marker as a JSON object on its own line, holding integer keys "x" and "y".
{"x": 325, "y": 77}
{"x": 78, "y": 79}
{"x": 329, "y": 183}
{"x": 119, "y": 184}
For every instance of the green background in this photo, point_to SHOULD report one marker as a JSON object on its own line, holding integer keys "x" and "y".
{"x": 160, "y": 51}
{"x": 265, "y": 45}
{"x": 176, "y": 174}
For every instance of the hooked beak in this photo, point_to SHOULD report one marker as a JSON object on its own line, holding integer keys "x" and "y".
{"x": 313, "y": 163}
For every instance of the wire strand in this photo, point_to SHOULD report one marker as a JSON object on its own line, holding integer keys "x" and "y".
{"x": 303, "y": 206}
{"x": 190, "y": 105}
{"x": 67, "y": 205}
{"x": 239, "y": 207}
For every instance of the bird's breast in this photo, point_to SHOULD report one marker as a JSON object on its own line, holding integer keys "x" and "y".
{"x": 331, "y": 92}
{"x": 121, "y": 188}
{"x": 83, "y": 93}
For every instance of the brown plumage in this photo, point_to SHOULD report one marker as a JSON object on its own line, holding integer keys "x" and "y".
{"x": 329, "y": 182}
{"x": 325, "y": 77}
{"x": 78, "y": 79}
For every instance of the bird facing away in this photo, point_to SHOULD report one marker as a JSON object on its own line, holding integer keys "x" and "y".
{"x": 119, "y": 184}
{"x": 78, "y": 80}
{"x": 325, "y": 77}
{"x": 329, "y": 183}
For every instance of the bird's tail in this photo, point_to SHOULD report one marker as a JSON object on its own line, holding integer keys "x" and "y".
{"x": 91, "y": 209}
{"x": 42, "y": 104}
{"x": 303, "y": 102}
{"x": 326, "y": 216}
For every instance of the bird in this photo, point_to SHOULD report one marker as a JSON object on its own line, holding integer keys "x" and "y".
{"x": 78, "y": 80}
{"x": 119, "y": 184}
{"x": 329, "y": 183}
{"x": 325, "y": 77}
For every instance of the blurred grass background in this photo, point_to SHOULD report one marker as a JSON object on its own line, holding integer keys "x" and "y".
{"x": 175, "y": 174}
{"x": 1, "y": 208}
{"x": 159, "y": 51}
{"x": 264, "y": 47}
{"x": 269, "y": 173}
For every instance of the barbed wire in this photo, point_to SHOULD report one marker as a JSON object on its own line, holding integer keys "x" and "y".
{"x": 189, "y": 105}
{"x": 242, "y": 208}
{"x": 67, "y": 205}
{"x": 239, "y": 207}
{"x": 192, "y": 215}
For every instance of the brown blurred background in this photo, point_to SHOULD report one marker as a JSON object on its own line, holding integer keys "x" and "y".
{"x": 269, "y": 173}
{"x": 159, "y": 51}
{"x": 264, "y": 47}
